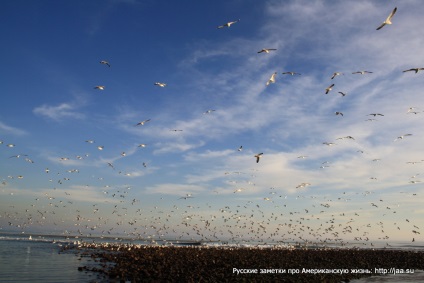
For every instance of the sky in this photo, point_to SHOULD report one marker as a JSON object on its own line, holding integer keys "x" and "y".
{"x": 178, "y": 161}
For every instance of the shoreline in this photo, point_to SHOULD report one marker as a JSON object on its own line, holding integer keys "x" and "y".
{"x": 141, "y": 263}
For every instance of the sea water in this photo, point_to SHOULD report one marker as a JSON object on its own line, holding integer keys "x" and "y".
{"x": 39, "y": 260}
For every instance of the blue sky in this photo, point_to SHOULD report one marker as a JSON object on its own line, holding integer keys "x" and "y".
{"x": 355, "y": 189}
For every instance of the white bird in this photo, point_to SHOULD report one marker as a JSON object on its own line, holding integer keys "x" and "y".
{"x": 271, "y": 79}
{"x": 105, "y": 63}
{"x": 291, "y": 73}
{"x": 402, "y": 136}
{"x": 362, "y": 72}
{"x": 336, "y": 74}
{"x": 142, "y": 122}
{"x": 160, "y": 84}
{"x": 328, "y": 89}
{"x": 227, "y": 25}
{"x": 99, "y": 87}
{"x": 266, "y": 50}
{"x": 209, "y": 111}
{"x": 388, "y": 20}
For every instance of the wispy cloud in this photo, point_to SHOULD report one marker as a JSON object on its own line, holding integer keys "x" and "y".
{"x": 59, "y": 112}
{"x": 6, "y": 129}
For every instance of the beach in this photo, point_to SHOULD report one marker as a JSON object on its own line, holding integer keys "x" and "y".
{"x": 147, "y": 263}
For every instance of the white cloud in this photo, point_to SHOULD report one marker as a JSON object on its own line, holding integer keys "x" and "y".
{"x": 59, "y": 112}
{"x": 12, "y": 130}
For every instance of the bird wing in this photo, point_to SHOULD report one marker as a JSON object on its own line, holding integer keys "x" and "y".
{"x": 382, "y": 25}
{"x": 391, "y": 14}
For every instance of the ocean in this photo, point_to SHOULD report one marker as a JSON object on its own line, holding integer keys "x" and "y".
{"x": 25, "y": 258}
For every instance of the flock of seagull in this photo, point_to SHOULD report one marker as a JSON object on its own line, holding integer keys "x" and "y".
{"x": 250, "y": 220}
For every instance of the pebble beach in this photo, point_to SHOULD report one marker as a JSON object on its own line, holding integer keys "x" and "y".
{"x": 143, "y": 263}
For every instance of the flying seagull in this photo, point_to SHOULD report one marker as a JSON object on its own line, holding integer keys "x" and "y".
{"x": 375, "y": 114}
{"x": 209, "y": 111}
{"x": 339, "y": 113}
{"x": 291, "y": 73}
{"x": 99, "y": 87}
{"x": 388, "y": 21}
{"x": 266, "y": 50}
{"x": 336, "y": 74}
{"x": 105, "y": 63}
{"x": 327, "y": 90}
{"x": 416, "y": 70}
{"x": 271, "y": 79}
{"x": 402, "y": 136}
{"x": 142, "y": 122}
{"x": 227, "y": 25}
{"x": 362, "y": 72}
{"x": 160, "y": 84}
{"x": 258, "y": 156}
{"x": 342, "y": 93}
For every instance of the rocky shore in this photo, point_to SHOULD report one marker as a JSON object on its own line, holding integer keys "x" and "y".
{"x": 131, "y": 263}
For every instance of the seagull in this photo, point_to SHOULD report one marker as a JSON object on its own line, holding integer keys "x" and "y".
{"x": 227, "y": 25}
{"x": 105, "y": 63}
{"x": 142, "y": 122}
{"x": 339, "y": 113}
{"x": 258, "y": 156}
{"x": 19, "y": 155}
{"x": 100, "y": 147}
{"x": 160, "y": 84}
{"x": 347, "y": 137}
{"x": 142, "y": 145}
{"x": 342, "y": 93}
{"x": 336, "y": 74}
{"x": 402, "y": 136}
{"x": 209, "y": 111}
{"x": 99, "y": 87}
{"x": 291, "y": 73}
{"x": 240, "y": 148}
{"x": 328, "y": 143}
{"x": 375, "y": 114}
{"x": 271, "y": 79}
{"x": 266, "y": 50}
{"x": 416, "y": 70}
{"x": 388, "y": 20}
{"x": 362, "y": 72}
{"x": 327, "y": 90}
